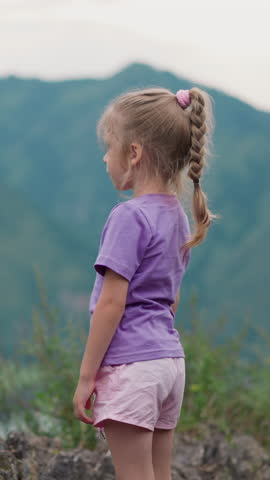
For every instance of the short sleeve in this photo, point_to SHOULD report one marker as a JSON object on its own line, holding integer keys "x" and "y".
{"x": 124, "y": 239}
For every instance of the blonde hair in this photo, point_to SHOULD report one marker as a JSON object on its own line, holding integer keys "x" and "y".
{"x": 174, "y": 140}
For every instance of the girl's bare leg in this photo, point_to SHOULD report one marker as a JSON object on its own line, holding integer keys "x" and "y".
{"x": 162, "y": 447}
{"x": 131, "y": 449}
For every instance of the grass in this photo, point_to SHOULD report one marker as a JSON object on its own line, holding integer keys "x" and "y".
{"x": 222, "y": 387}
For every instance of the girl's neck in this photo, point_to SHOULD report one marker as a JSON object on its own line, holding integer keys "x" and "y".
{"x": 154, "y": 190}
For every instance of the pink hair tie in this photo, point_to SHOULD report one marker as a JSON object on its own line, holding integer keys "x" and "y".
{"x": 183, "y": 98}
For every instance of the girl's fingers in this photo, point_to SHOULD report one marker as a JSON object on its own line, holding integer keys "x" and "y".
{"x": 80, "y": 414}
{"x": 84, "y": 418}
{"x": 87, "y": 420}
{"x": 80, "y": 405}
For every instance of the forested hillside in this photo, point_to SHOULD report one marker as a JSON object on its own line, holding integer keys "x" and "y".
{"x": 56, "y": 195}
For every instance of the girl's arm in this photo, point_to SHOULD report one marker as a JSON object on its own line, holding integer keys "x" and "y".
{"x": 104, "y": 321}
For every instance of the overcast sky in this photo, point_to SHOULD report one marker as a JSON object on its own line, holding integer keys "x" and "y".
{"x": 219, "y": 43}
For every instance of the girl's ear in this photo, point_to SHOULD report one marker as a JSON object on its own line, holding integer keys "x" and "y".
{"x": 135, "y": 153}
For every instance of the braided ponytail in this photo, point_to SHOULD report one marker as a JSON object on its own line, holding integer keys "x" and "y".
{"x": 201, "y": 125}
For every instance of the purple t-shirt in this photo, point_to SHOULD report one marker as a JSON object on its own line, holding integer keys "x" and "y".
{"x": 141, "y": 241}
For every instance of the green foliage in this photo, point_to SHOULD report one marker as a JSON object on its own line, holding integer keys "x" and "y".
{"x": 56, "y": 352}
{"x": 221, "y": 386}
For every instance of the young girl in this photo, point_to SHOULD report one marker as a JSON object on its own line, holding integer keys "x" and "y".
{"x": 134, "y": 363}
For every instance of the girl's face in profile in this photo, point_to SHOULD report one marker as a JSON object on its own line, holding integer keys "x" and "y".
{"x": 113, "y": 164}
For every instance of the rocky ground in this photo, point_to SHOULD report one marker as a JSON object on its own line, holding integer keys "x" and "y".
{"x": 211, "y": 457}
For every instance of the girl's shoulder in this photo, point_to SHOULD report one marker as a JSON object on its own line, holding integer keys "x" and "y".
{"x": 126, "y": 206}
{"x": 129, "y": 213}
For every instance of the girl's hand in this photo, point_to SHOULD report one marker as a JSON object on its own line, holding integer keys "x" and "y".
{"x": 82, "y": 400}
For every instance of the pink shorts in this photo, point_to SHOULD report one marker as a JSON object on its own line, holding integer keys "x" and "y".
{"x": 146, "y": 393}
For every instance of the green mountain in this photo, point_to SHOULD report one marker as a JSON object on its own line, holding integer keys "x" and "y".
{"x": 32, "y": 244}
{"x": 59, "y": 195}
